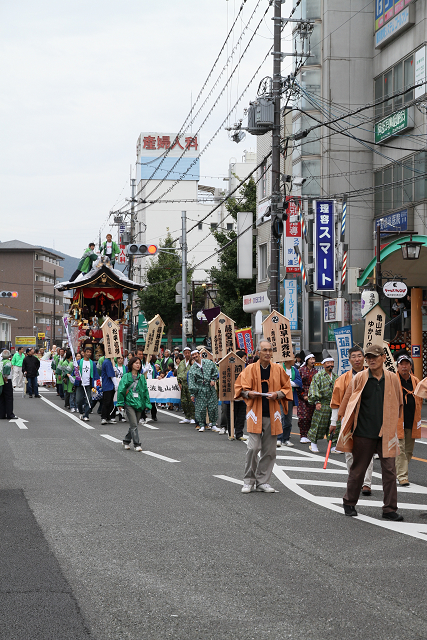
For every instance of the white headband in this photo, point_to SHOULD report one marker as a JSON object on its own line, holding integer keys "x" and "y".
{"x": 328, "y": 360}
{"x": 195, "y": 351}
{"x": 310, "y": 355}
{"x": 186, "y": 349}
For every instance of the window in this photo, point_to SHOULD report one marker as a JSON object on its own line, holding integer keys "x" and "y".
{"x": 310, "y": 169}
{"x": 315, "y": 45}
{"x": 263, "y": 180}
{"x": 262, "y": 262}
{"x": 200, "y": 226}
{"x": 230, "y": 226}
{"x": 396, "y": 79}
{"x": 310, "y": 81}
{"x": 406, "y": 183}
{"x": 36, "y": 256}
{"x": 310, "y": 146}
{"x": 213, "y": 226}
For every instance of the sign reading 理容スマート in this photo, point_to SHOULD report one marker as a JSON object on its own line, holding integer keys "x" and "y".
{"x": 324, "y": 241}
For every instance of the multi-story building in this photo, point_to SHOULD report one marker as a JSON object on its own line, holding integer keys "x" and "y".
{"x": 6, "y": 330}
{"x": 31, "y": 271}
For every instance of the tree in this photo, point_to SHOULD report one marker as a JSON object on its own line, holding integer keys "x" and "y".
{"x": 231, "y": 289}
{"x": 160, "y": 298}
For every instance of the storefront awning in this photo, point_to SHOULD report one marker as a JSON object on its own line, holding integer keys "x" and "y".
{"x": 414, "y": 271}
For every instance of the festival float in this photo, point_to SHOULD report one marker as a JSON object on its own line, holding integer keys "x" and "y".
{"x": 98, "y": 295}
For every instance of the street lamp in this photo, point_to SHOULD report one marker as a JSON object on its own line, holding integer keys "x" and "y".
{"x": 411, "y": 249}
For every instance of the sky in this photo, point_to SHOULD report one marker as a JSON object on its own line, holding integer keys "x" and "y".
{"x": 81, "y": 79}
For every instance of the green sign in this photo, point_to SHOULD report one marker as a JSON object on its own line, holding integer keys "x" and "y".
{"x": 392, "y": 125}
{"x": 331, "y": 327}
{"x": 142, "y": 324}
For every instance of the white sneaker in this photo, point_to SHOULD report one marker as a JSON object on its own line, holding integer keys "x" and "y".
{"x": 215, "y": 428}
{"x": 247, "y": 488}
{"x": 73, "y": 411}
{"x": 314, "y": 448}
{"x": 142, "y": 422}
{"x": 266, "y": 488}
{"x": 86, "y": 419}
{"x": 333, "y": 450}
{"x": 305, "y": 440}
{"x": 221, "y": 431}
{"x": 288, "y": 443}
{"x": 278, "y": 444}
{"x": 103, "y": 421}
{"x": 112, "y": 421}
{"x": 192, "y": 422}
{"x": 138, "y": 448}
{"x": 126, "y": 446}
{"x": 201, "y": 429}
{"x": 185, "y": 421}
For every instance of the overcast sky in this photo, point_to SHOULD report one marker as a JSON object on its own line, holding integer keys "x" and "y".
{"x": 80, "y": 79}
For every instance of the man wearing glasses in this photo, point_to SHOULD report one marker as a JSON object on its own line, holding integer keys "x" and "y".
{"x": 263, "y": 385}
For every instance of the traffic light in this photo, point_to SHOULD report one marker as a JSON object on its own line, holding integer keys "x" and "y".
{"x": 8, "y": 294}
{"x": 139, "y": 250}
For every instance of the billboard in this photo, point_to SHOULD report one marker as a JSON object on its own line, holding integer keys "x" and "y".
{"x": 324, "y": 245}
{"x": 158, "y": 153}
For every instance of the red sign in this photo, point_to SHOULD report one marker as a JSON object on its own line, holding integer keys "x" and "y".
{"x": 293, "y": 235}
{"x": 165, "y": 142}
{"x": 122, "y": 255}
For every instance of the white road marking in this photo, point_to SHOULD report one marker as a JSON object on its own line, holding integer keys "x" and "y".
{"x": 105, "y": 435}
{"x": 157, "y": 455}
{"x": 230, "y": 479}
{"x": 379, "y": 503}
{"x": 421, "y": 441}
{"x": 149, "y": 426}
{"x": 174, "y": 414}
{"x": 19, "y": 422}
{"x": 82, "y": 423}
{"x": 314, "y": 470}
{"x": 414, "y": 488}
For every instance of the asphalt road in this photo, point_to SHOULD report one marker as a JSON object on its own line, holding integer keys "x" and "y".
{"x": 98, "y": 542}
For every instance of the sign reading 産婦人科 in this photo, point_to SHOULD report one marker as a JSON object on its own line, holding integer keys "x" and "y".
{"x": 222, "y": 333}
{"x": 277, "y": 331}
{"x": 110, "y": 335}
{"x": 374, "y": 327}
{"x": 230, "y": 368}
{"x": 154, "y": 335}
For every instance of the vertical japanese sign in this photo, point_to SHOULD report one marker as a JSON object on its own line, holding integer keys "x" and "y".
{"x": 344, "y": 340}
{"x": 244, "y": 339}
{"x": 154, "y": 335}
{"x": 110, "y": 334}
{"x": 292, "y": 236}
{"x": 389, "y": 363}
{"x": 276, "y": 329}
{"x": 290, "y": 304}
{"x": 324, "y": 245}
{"x": 122, "y": 255}
{"x": 205, "y": 354}
{"x": 374, "y": 327}
{"x": 230, "y": 368}
{"x": 222, "y": 333}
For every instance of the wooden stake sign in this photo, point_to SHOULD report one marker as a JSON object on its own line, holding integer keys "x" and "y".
{"x": 389, "y": 363}
{"x": 154, "y": 335}
{"x": 205, "y": 354}
{"x": 110, "y": 335}
{"x": 222, "y": 332}
{"x": 277, "y": 330}
{"x": 230, "y": 368}
{"x": 374, "y": 327}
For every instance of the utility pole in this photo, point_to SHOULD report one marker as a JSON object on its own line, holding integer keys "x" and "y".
{"x": 184, "y": 276}
{"x": 132, "y": 234}
{"x": 275, "y": 156}
{"x": 52, "y": 333}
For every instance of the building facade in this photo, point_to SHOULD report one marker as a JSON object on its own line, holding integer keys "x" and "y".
{"x": 31, "y": 271}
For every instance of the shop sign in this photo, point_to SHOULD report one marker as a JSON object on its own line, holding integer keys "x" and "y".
{"x": 395, "y": 289}
{"x": 402, "y": 21}
{"x": 392, "y": 125}
{"x": 344, "y": 338}
{"x": 420, "y": 72}
{"x": 395, "y": 221}
{"x": 290, "y": 304}
{"x": 324, "y": 241}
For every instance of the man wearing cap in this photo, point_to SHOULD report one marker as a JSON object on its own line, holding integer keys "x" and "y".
{"x": 372, "y": 406}
{"x": 305, "y": 410}
{"x": 30, "y": 369}
{"x": 6, "y": 389}
{"x": 357, "y": 361}
{"x": 202, "y": 378}
{"x": 409, "y": 425}
{"x": 264, "y": 386}
{"x": 319, "y": 395}
{"x": 181, "y": 374}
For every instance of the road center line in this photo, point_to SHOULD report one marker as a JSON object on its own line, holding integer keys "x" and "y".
{"x": 82, "y": 423}
{"x": 157, "y": 455}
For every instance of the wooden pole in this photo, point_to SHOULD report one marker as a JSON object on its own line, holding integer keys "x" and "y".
{"x": 232, "y": 420}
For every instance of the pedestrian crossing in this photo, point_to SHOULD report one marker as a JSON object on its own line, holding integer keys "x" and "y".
{"x": 302, "y": 472}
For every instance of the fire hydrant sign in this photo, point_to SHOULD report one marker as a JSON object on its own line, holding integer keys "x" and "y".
{"x": 277, "y": 330}
{"x": 230, "y": 368}
{"x": 374, "y": 327}
{"x": 222, "y": 332}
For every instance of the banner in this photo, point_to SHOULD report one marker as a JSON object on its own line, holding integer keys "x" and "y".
{"x": 374, "y": 327}
{"x": 290, "y": 303}
{"x": 292, "y": 235}
{"x": 324, "y": 245}
{"x": 230, "y": 368}
{"x": 110, "y": 334}
{"x": 45, "y": 372}
{"x": 222, "y": 332}
{"x": 344, "y": 340}
{"x": 390, "y": 363}
{"x": 276, "y": 329}
{"x": 154, "y": 335}
{"x": 244, "y": 340}
{"x": 164, "y": 390}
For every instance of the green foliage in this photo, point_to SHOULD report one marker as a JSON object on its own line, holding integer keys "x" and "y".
{"x": 230, "y": 288}
{"x": 160, "y": 298}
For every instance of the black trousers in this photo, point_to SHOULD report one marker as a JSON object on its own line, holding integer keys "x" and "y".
{"x": 153, "y": 411}
{"x": 239, "y": 418}
{"x": 74, "y": 276}
{"x": 6, "y": 400}
{"x": 108, "y": 410}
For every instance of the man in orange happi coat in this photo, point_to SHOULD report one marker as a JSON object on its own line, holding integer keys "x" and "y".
{"x": 262, "y": 385}
{"x": 409, "y": 425}
{"x": 373, "y": 405}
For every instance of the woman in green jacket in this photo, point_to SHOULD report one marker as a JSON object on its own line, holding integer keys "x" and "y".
{"x": 133, "y": 395}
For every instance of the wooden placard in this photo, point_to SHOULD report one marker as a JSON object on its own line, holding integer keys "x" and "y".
{"x": 230, "y": 368}
{"x": 205, "y": 354}
{"x": 374, "y": 327}
{"x": 154, "y": 335}
{"x": 111, "y": 337}
{"x": 277, "y": 330}
{"x": 390, "y": 363}
{"x": 222, "y": 333}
